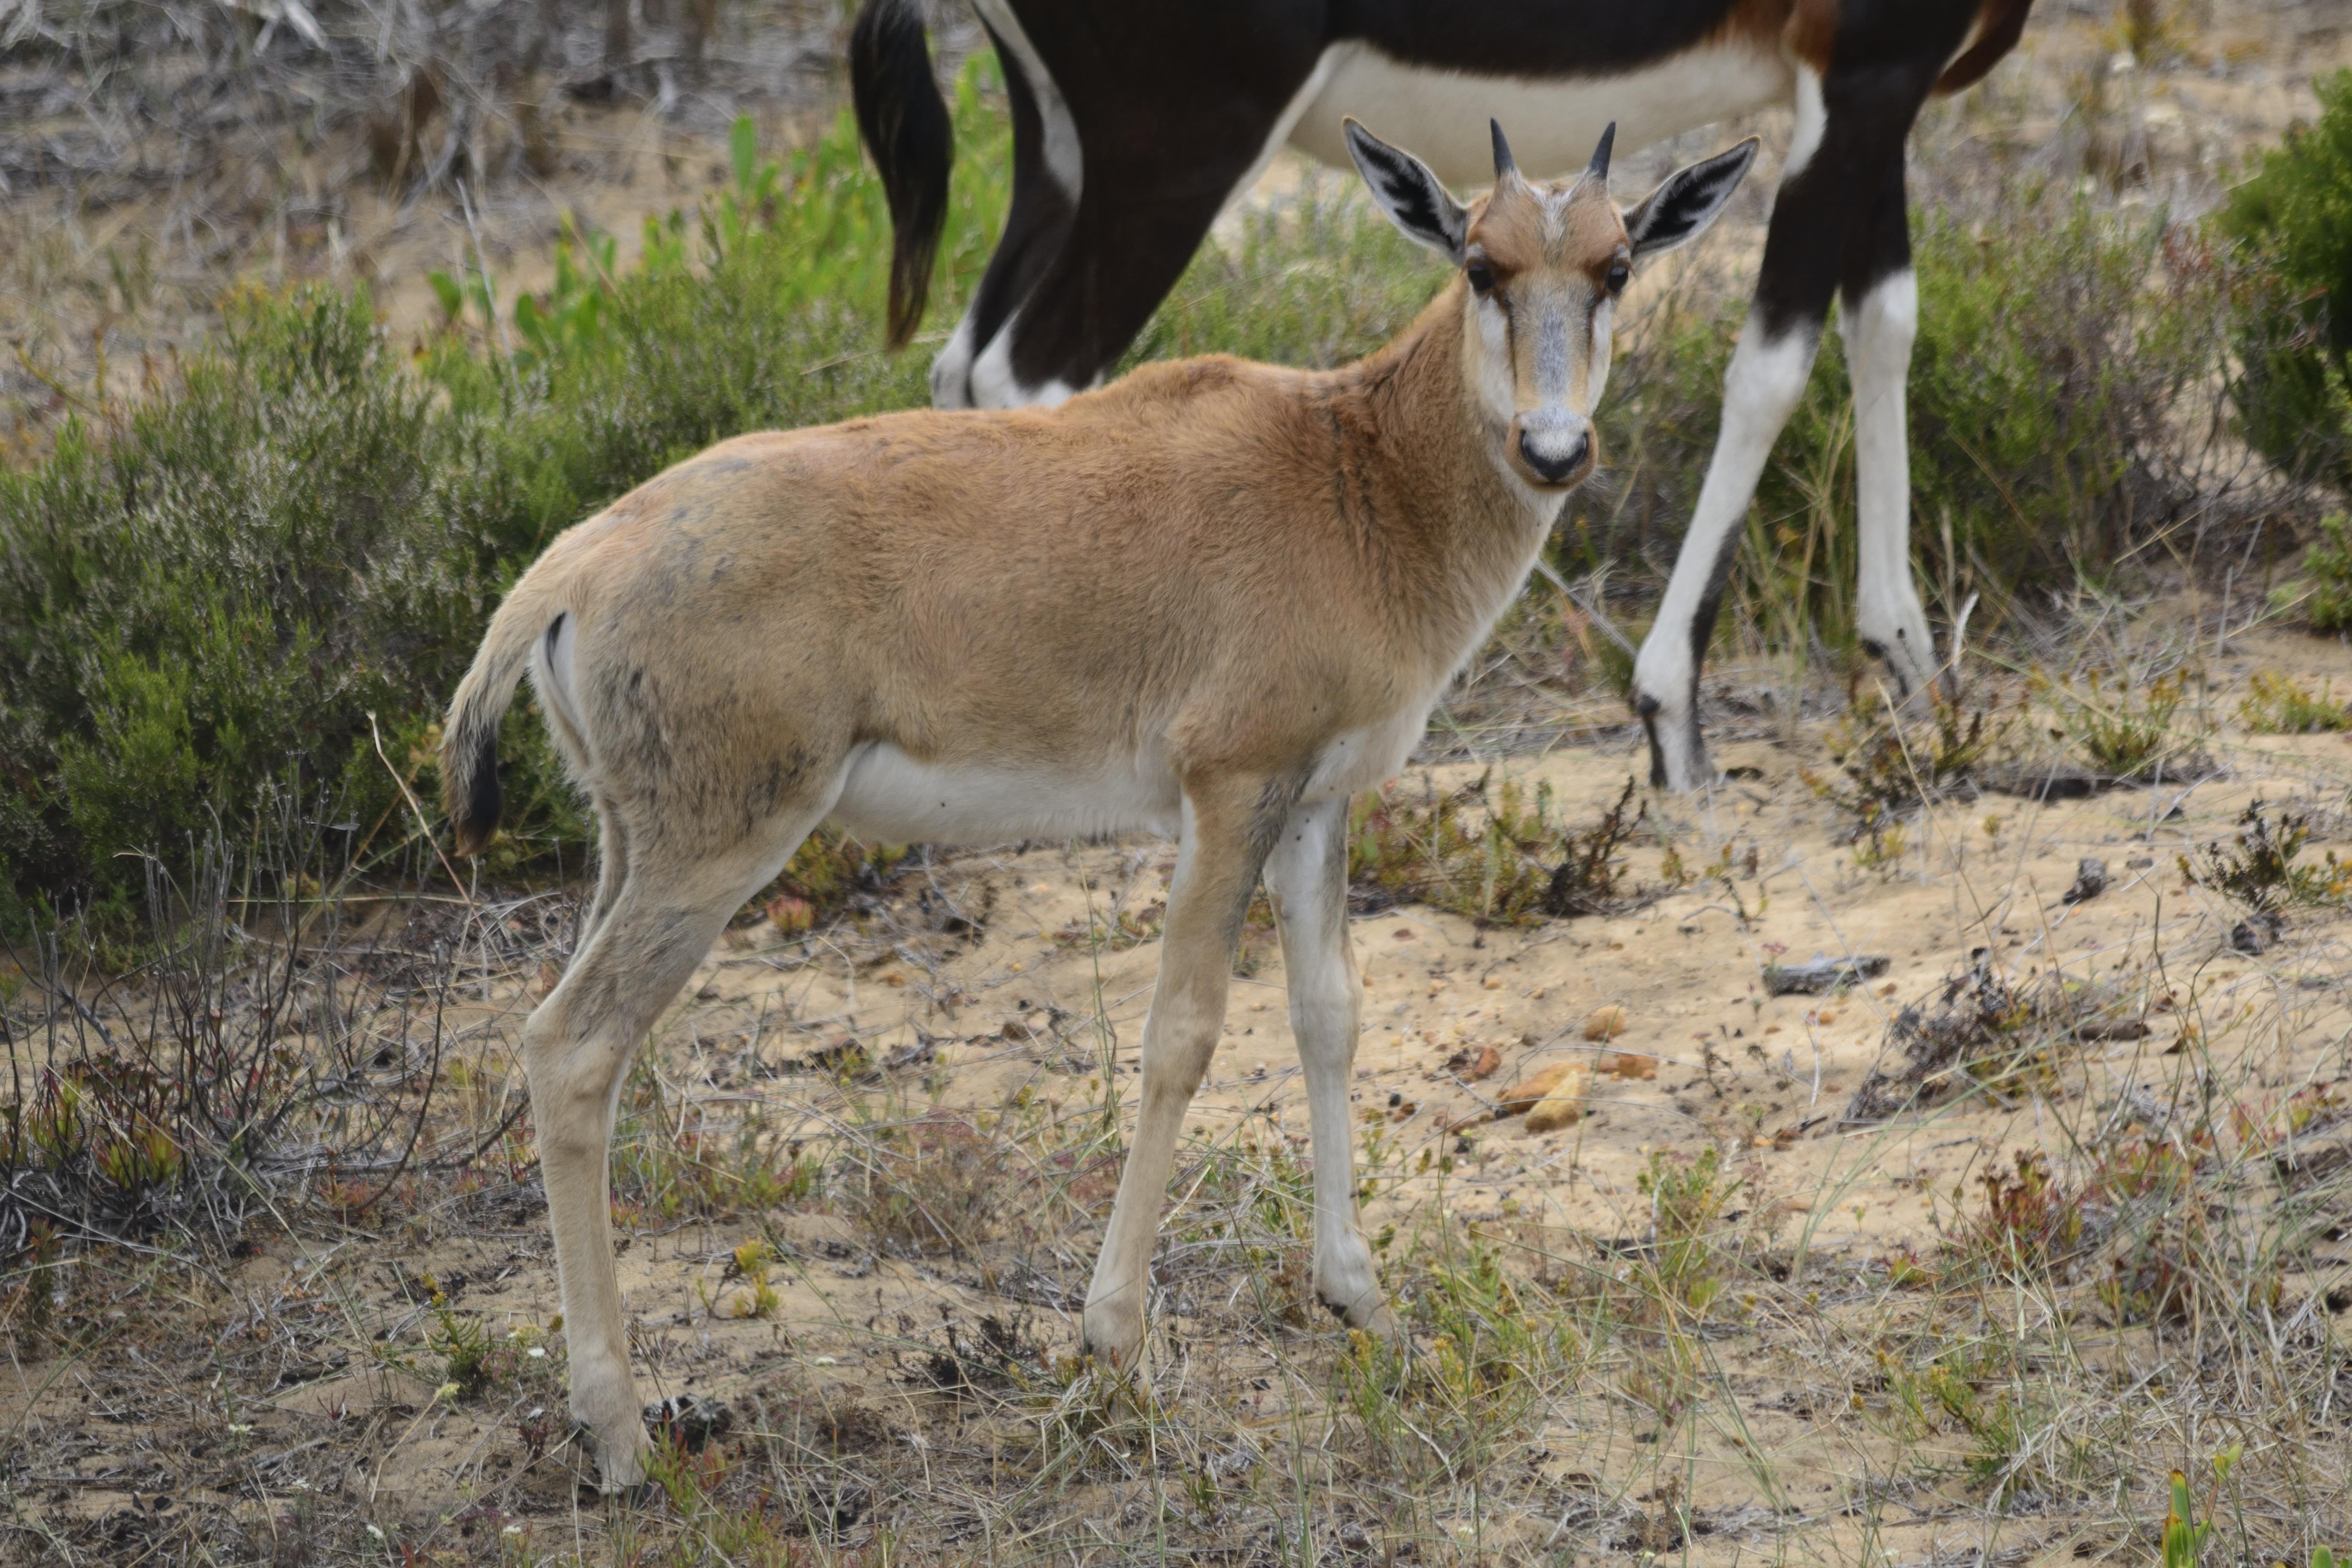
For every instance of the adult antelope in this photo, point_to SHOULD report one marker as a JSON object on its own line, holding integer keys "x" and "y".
{"x": 1133, "y": 124}
{"x": 1214, "y": 599}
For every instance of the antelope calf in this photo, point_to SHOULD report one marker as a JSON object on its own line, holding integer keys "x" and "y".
{"x": 1214, "y": 599}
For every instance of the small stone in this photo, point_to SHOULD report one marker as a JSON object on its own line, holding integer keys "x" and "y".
{"x": 1627, "y": 1065}
{"x": 1563, "y": 1106}
{"x": 1474, "y": 1065}
{"x": 1524, "y": 1096}
{"x": 2090, "y": 881}
{"x": 1605, "y": 1024}
{"x": 2257, "y": 932}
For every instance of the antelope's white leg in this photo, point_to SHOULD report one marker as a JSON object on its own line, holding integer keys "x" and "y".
{"x": 1767, "y": 377}
{"x": 1879, "y": 329}
{"x": 1217, "y": 871}
{"x": 1306, "y": 880}
{"x": 951, "y": 371}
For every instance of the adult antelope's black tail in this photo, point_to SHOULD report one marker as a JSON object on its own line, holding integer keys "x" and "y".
{"x": 906, "y": 126}
{"x": 1999, "y": 25}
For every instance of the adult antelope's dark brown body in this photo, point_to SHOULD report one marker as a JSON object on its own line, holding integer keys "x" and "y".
{"x": 1133, "y": 124}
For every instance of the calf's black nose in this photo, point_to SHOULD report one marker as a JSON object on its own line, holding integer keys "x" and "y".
{"x": 1554, "y": 467}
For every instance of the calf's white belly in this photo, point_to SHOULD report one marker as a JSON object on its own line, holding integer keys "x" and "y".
{"x": 891, "y": 797}
{"x": 1552, "y": 124}
{"x": 895, "y": 799}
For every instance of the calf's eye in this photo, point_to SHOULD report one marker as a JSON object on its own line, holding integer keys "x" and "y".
{"x": 1482, "y": 276}
{"x": 1618, "y": 275}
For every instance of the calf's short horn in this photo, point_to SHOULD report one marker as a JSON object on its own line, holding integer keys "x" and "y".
{"x": 1599, "y": 166}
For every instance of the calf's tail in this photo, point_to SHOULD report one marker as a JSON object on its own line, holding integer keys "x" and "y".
{"x": 470, "y": 736}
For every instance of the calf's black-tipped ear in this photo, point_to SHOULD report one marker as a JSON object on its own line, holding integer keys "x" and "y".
{"x": 1687, "y": 200}
{"x": 1414, "y": 199}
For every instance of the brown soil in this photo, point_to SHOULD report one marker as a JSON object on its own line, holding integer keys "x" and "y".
{"x": 304, "y": 1379}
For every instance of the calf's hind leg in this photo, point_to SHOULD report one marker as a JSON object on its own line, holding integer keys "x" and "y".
{"x": 651, "y": 928}
{"x": 1307, "y": 880}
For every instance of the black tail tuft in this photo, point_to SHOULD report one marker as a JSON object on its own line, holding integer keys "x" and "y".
{"x": 905, "y": 122}
{"x": 469, "y": 767}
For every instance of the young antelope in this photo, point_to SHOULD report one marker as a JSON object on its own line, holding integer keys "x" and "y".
{"x": 1214, "y": 600}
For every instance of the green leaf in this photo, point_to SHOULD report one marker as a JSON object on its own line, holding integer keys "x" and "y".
{"x": 531, "y": 322}
{"x": 445, "y": 289}
{"x": 743, "y": 141}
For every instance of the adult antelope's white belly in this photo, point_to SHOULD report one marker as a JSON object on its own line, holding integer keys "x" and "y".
{"x": 892, "y": 797}
{"x": 1553, "y": 124}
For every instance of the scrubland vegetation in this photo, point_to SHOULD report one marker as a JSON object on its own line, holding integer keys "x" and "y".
{"x": 272, "y": 1267}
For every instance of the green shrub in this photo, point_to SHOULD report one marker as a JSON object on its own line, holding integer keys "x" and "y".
{"x": 2327, "y": 568}
{"x": 209, "y": 598}
{"x": 217, "y": 593}
{"x": 2295, "y": 345}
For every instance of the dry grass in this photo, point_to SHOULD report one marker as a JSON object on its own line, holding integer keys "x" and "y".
{"x": 2078, "y": 1227}
{"x": 877, "y": 1250}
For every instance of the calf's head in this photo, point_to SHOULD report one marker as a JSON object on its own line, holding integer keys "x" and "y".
{"x": 1542, "y": 263}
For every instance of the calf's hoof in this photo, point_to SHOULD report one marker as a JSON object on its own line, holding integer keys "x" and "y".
{"x": 1368, "y": 1315}
{"x": 1112, "y": 1335}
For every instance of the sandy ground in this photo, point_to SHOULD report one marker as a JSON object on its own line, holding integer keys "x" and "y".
{"x": 1012, "y": 1026}
{"x": 314, "y": 1376}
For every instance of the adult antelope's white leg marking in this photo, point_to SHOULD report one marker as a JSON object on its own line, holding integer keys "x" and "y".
{"x": 1306, "y": 880}
{"x": 951, "y": 372}
{"x": 1759, "y": 391}
{"x": 969, "y": 374}
{"x": 1878, "y": 330}
{"x": 1064, "y": 159}
{"x": 1812, "y": 121}
{"x": 995, "y": 384}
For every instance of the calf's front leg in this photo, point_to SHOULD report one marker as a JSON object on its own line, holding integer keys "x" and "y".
{"x": 1307, "y": 877}
{"x": 1228, "y": 825}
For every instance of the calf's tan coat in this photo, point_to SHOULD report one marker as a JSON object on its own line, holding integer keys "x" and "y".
{"x": 1215, "y": 599}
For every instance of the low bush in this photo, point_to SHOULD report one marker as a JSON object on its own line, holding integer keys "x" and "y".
{"x": 934, "y": 1185}
{"x": 277, "y": 566}
{"x": 222, "y": 1077}
{"x": 1501, "y": 857}
{"x": 2278, "y": 703}
{"x": 2129, "y": 729}
{"x": 2294, "y": 394}
{"x": 2261, "y": 869}
{"x": 2328, "y": 571}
